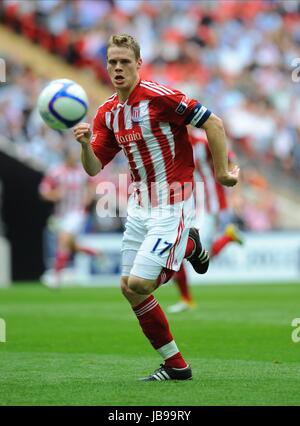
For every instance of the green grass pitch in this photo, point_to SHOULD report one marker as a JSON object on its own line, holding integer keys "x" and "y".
{"x": 85, "y": 347}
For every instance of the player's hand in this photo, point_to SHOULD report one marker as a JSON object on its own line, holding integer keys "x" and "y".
{"x": 82, "y": 133}
{"x": 231, "y": 178}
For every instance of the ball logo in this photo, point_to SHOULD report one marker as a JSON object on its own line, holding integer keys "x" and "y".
{"x": 2, "y": 331}
{"x": 296, "y": 71}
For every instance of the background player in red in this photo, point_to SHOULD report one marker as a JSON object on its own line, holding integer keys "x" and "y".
{"x": 148, "y": 122}
{"x": 71, "y": 191}
{"x": 215, "y": 204}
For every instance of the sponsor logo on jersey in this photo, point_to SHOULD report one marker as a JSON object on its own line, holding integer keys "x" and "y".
{"x": 182, "y": 106}
{"x": 129, "y": 137}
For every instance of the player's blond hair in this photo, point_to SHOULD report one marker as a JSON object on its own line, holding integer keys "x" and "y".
{"x": 125, "y": 40}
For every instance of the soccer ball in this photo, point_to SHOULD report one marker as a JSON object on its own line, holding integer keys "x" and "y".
{"x": 62, "y": 104}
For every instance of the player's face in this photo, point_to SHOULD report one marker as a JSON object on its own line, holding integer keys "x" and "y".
{"x": 122, "y": 67}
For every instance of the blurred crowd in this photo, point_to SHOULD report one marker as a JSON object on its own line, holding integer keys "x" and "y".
{"x": 238, "y": 57}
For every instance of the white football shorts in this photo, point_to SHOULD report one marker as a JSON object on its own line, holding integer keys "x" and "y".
{"x": 155, "y": 238}
{"x": 71, "y": 223}
{"x": 209, "y": 229}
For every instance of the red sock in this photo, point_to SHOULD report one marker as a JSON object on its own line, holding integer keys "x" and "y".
{"x": 219, "y": 244}
{"x": 180, "y": 278}
{"x": 175, "y": 361}
{"x": 89, "y": 251}
{"x": 164, "y": 276}
{"x": 156, "y": 328}
{"x": 189, "y": 248}
{"x": 62, "y": 257}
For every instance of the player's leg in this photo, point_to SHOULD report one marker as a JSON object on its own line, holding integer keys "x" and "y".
{"x": 86, "y": 250}
{"x": 181, "y": 279}
{"x": 230, "y": 235}
{"x": 137, "y": 290}
{"x": 195, "y": 252}
{"x": 65, "y": 242}
{"x": 75, "y": 226}
{"x": 160, "y": 254}
{"x": 133, "y": 298}
{"x": 186, "y": 301}
{"x": 137, "y": 286}
{"x": 67, "y": 228}
{"x": 156, "y": 328}
{"x": 140, "y": 277}
{"x": 199, "y": 259}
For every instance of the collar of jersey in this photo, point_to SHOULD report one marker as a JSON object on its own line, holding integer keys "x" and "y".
{"x": 120, "y": 105}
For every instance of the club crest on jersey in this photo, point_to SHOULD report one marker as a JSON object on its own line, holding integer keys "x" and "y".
{"x": 182, "y": 106}
{"x": 135, "y": 114}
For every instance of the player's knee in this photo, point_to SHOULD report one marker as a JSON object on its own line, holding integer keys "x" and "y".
{"x": 124, "y": 286}
{"x": 66, "y": 240}
{"x": 140, "y": 285}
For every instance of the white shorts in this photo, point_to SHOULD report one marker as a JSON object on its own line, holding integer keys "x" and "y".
{"x": 155, "y": 239}
{"x": 209, "y": 229}
{"x": 71, "y": 223}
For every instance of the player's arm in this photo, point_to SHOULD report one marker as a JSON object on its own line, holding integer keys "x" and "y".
{"x": 216, "y": 137}
{"x": 232, "y": 160}
{"x": 91, "y": 163}
{"x": 52, "y": 195}
{"x": 99, "y": 147}
{"x": 49, "y": 190}
{"x": 181, "y": 110}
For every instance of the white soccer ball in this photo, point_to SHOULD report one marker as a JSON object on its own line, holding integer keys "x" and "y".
{"x": 62, "y": 104}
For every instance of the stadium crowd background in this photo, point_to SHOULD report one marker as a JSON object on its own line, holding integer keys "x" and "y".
{"x": 236, "y": 57}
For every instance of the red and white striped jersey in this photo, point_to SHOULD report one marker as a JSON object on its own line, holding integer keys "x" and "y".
{"x": 73, "y": 182}
{"x": 150, "y": 128}
{"x": 215, "y": 193}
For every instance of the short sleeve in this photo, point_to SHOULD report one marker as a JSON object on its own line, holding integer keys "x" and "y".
{"x": 180, "y": 109}
{"x": 103, "y": 141}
